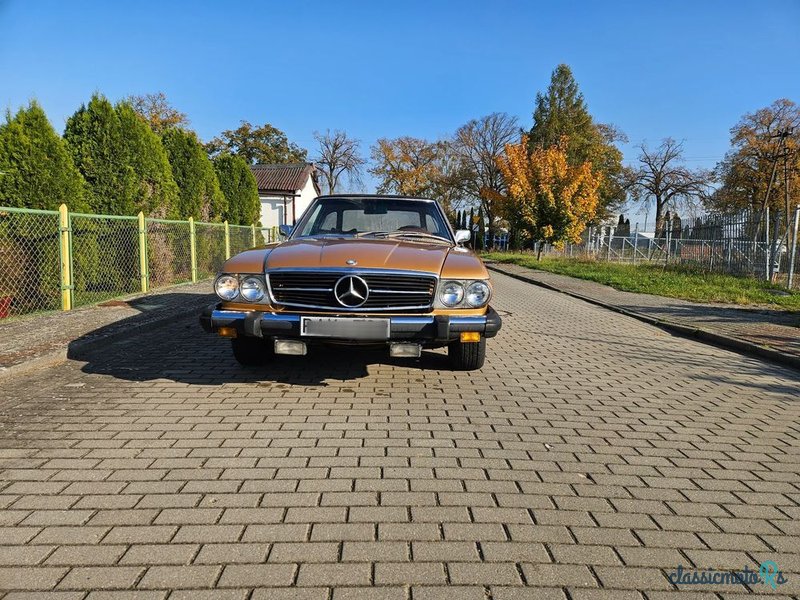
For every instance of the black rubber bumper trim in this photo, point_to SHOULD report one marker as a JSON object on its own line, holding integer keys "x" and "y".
{"x": 443, "y": 328}
{"x": 252, "y": 324}
{"x": 493, "y": 323}
{"x": 205, "y": 318}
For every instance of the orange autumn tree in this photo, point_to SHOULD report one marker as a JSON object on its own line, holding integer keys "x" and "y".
{"x": 549, "y": 199}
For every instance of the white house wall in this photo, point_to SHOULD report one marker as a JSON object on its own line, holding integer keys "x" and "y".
{"x": 307, "y": 194}
{"x": 272, "y": 206}
{"x": 271, "y": 209}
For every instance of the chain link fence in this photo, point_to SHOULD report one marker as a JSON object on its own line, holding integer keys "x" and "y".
{"x": 54, "y": 260}
{"x": 750, "y": 243}
{"x": 210, "y": 248}
{"x": 267, "y": 235}
{"x": 29, "y": 262}
{"x": 105, "y": 257}
{"x": 169, "y": 252}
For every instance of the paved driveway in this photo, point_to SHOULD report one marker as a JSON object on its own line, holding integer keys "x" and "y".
{"x": 591, "y": 456}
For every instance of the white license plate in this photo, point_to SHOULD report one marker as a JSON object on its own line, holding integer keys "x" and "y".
{"x": 348, "y": 328}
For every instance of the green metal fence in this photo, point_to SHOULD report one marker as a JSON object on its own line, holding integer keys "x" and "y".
{"x": 57, "y": 260}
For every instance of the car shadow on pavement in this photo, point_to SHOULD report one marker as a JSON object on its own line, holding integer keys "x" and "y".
{"x": 181, "y": 351}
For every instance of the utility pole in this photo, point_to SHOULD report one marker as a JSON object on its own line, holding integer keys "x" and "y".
{"x": 785, "y": 134}
{"x": 791, "y": 238}
{"x": 773, "y": 251}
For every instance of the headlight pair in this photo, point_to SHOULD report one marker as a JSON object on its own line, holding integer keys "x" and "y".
{"x": 464, "y": 293}
{"x": 251, "y": 288}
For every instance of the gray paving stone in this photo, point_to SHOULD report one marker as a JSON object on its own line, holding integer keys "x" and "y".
{"x": 30, "y": 578}
{"x": 100, "y": 578}
{"x": 176, "y": 577}
{"x": 258, "y": 575}
{"x": 587, "y": 442}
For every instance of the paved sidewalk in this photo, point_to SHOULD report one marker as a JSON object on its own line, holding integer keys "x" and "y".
{"x": 37, "y": 341}
{"x": 775, "y": 330}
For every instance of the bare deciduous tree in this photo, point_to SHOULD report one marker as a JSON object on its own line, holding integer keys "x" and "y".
{"x": 663, "y": 178}
{"x": 158, "y": 112}
{"x": 478, "y": 145}
{"x": 338, "y": 155}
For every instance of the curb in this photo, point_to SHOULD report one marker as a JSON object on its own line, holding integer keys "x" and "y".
{"x": 688, "y": 331}
{"x": 61, "y": 355}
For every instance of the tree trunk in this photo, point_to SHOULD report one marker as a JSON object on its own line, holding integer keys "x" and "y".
{"x": 660, "y": 206}
{"x": 489, "y": 227}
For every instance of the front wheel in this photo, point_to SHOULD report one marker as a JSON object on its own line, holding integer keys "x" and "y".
{"x": 467, "y": 356}
{"x": 251, "y": 351}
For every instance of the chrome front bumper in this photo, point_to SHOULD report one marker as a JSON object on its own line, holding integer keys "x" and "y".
{"x": 421, "y": 329}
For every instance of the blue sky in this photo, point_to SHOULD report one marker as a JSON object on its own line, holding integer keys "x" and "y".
{"x": 374, "y": 68}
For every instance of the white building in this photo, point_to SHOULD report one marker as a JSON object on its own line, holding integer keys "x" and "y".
{"x": 285, "y": 191}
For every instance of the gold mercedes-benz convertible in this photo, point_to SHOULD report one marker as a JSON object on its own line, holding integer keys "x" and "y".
{"x": 357, "y": 269}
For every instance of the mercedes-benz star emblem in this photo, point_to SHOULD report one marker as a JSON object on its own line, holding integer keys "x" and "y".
{"x": 351, "y": 261}
{"x": 351, "y": 291}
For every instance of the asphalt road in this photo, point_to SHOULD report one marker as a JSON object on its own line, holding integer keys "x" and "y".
{"x": 590, "y": 457}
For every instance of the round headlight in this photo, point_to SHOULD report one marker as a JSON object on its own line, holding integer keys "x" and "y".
{"x": 478, "y": 294}
{"x": 252, "y": 289}
{"x": 227, "y": 287}
{"x": 452, "y": 293}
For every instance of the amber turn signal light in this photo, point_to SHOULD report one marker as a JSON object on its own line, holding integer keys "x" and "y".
{"x": 470, "y": 336}
{"x": 229, "y": 332}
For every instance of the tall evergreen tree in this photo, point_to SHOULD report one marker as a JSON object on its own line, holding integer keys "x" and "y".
{"x": 239, "y": 186}
{"x": 94, "y": 136}
{"x": 157, "y": 193}
{"x": 122, "y": 160}
{"x": 562, "y": 112}
{"x": 36, "y": 169}
{"x": 199, "y": 192}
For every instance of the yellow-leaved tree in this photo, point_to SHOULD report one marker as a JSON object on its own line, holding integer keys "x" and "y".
{"x": 548, "y": 199}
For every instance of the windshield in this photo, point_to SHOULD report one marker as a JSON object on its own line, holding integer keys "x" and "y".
{"x": 374, "y": 217}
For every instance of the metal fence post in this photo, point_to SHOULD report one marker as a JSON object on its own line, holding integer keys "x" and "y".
{"x": 589, "y": 241}
{"x": 193, "y": 249}
{"x": 635, "y": 243}
{"x": 144, "y": 272}
{"x": 253, "y": 231}
{"x": 668, "y": 235}
{"x": 227, "y": 241}
{"x": 65, "y": 257}
{"x": 766, "y": 246}
{"x": 794, "y": 245}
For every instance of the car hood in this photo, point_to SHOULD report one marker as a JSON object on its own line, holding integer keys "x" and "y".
{"x": 367, "y": 254}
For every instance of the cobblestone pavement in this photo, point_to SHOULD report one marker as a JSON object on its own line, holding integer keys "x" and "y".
{"x": 591, "y": 456}
{"x": 761, "y": 325}
{"x": 35, "y": 336}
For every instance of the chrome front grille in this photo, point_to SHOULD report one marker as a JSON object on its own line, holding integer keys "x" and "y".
{"x": 388, "y": 290}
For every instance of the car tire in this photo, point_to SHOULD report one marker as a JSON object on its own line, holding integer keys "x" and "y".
{"x": 467, "y": 356}
{"x": 252, "y": 351}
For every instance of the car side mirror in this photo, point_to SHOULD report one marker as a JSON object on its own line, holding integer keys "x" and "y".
{"x": 463, "y": 235}
{"x": 285, "y": 230}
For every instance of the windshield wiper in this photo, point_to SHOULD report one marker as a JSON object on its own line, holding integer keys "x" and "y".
{"x": 322, "y": 236}
{"x": 372, "y": 234}
{"x": 419, "y": 234}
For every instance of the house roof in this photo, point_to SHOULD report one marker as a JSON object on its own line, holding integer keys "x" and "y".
{"x": 283, "y": 178}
